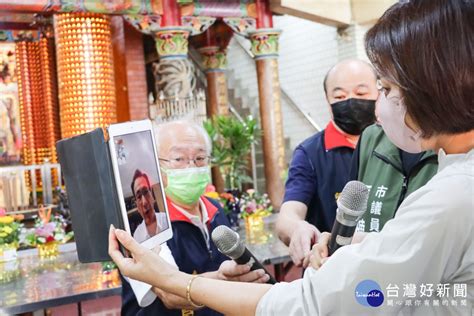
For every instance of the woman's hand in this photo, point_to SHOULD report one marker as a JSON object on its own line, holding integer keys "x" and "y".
{"x": 319, "y": 252}
{"x": 144, "y": 265}
{"x": 172, "y": 301}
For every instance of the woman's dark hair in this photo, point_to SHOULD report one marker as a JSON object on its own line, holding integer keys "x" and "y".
{"x": 426, "y": 47}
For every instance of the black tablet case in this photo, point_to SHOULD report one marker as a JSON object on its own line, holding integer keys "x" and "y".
{"x": 92, "y": 194}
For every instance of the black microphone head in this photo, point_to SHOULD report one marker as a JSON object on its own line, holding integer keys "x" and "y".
{"x": 228, "y": 242}
{"x": 353, "y": 199}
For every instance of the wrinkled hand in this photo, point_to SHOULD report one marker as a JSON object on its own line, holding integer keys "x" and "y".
{"x": 229, "y": 270}
{"x": 303, "y": 237}
{"x": 144, "y": 265}
{"x": 319, "y": 252}
{"x": 172, "y": 301}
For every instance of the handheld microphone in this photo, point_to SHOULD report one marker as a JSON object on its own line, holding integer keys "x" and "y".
{"x": 228, "y": 243}
{"x": 351, "y": 205}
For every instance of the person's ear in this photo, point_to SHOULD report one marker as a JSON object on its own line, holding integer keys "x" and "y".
{"x": 164, "y": 177}
{"x": 330, "y": 111}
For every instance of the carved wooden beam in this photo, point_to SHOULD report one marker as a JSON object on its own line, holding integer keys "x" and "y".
{"x": 338, "y": 13}
{"x": 330, "y": 12}
{"x": 368, "y": 11}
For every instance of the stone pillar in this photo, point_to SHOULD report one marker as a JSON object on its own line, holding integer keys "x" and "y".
{"x": 215, "y": 64}
{"x": 265, "y": 49}
{"x": 212, "y": 45}
{"x": 85, "y": 72}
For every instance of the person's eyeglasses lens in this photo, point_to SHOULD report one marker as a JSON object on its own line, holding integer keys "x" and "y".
{"x": 142, "y": 192}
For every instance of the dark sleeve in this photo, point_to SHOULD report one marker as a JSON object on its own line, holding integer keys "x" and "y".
{"x": 354, "y": 172}
{"x": 301, "y": 183}
{"x": 129, "y": 302}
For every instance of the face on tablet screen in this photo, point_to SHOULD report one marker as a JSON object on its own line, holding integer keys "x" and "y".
{"x": 140, "y": 185}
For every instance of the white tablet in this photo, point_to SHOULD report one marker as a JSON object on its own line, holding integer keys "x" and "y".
{"x": 138, "y": 180}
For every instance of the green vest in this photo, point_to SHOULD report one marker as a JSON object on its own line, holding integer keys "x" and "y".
{"x": 380, "y": 168}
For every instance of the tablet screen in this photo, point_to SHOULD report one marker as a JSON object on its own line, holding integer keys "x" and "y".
{"x": 139, "y": 177}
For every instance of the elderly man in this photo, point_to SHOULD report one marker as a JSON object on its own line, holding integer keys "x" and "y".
{"x": 321, "y": 164}
{"x": 153, "y": 222}
{"x": 184, "y": 150}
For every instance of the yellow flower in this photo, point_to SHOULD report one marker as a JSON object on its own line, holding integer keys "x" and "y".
{"x": 6, "y": 220}
{"x": 7, "y": 229}
{"x": 212, "y": 195}
{"x": 3, "y": 235}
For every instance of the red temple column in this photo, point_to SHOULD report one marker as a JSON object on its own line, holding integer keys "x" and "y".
{"x": 265, "y": 49}
{"x": 171, "y": 14}
{"x": 215, "y": 63}
{"x": 212, "y": 45}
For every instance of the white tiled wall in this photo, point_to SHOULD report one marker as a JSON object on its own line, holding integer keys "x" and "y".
{"x": 307, "y": 51}
{"x": 351, "y": 42}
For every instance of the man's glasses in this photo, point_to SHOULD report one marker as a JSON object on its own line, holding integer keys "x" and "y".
{"x": 182, "y": 162}
{"x": 141, "y": 193}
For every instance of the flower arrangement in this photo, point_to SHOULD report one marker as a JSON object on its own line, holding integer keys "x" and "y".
{"x": 229, "y": 203}
{"x": 10, "y": 227}
{"x": 255, "y": 204}
{"x": 226, "y": 199}
{"x": 48, "y": 230}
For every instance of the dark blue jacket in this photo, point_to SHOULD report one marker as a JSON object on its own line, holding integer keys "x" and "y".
{"x": 190, "y": 251}
{"x": 318, "y": 172}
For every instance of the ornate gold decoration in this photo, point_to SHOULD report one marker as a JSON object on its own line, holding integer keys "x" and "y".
{"x": 172, "y": 42}
{"x": 265, "y": 43}
{"x": 214, "y": 58}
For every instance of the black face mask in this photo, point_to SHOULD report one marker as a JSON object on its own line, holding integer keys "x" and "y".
{"x": 353, "y": 115}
